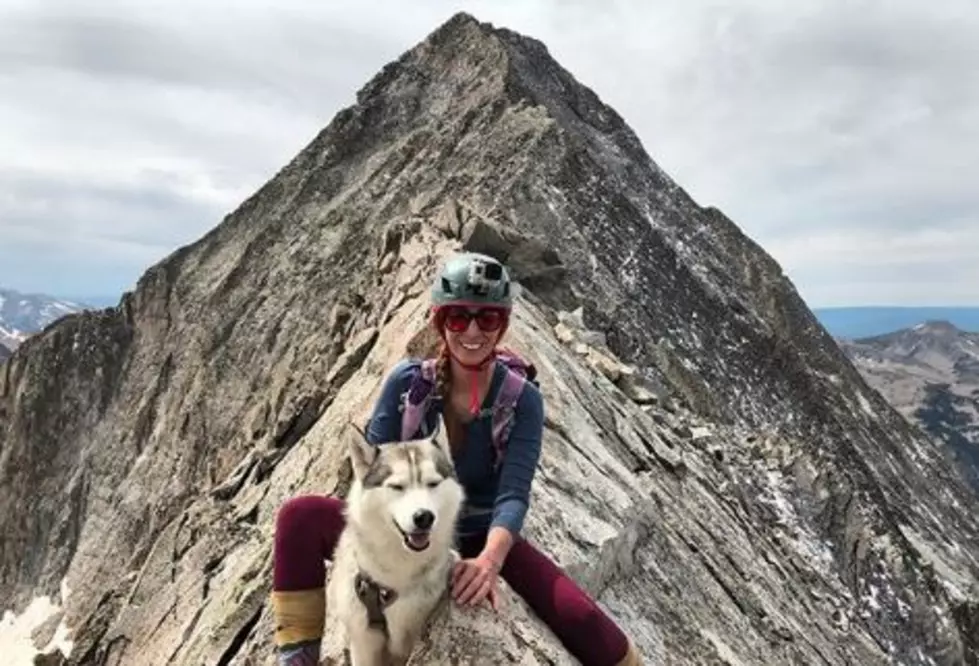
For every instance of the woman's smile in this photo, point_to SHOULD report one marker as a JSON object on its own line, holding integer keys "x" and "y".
{"x": 470, "y": 350}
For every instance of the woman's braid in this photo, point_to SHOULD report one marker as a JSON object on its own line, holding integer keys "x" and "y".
{"x": 443, "y": 374}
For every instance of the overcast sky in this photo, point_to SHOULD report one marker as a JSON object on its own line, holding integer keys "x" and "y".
{"x": 842, "y": 136}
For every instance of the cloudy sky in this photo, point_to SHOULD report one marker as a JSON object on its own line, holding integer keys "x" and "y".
{"x": 841, "y": 135}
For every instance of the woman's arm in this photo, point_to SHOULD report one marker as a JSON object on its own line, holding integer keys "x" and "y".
{"x": 475, "y": 580}
{"x": 385, "y": 422}
{"x": 498, "y": 543}
{"x": 517, "y": 475}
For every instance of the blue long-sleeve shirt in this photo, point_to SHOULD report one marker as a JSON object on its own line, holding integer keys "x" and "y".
{"x": 494, "y": 497}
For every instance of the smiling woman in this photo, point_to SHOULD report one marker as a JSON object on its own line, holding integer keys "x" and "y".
{"x": 493, "y": 413}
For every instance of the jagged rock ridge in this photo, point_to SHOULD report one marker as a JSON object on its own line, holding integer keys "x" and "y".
{"x": 930, "y": 374}
{"x": 714, "y": 469}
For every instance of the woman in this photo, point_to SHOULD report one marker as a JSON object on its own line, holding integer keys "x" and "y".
{"x": 471, "y": 301}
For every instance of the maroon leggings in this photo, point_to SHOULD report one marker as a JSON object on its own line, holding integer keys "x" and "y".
{"x": 307, "y": 530}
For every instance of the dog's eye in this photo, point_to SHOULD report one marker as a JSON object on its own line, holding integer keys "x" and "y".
{"x": 434, "y": 484}
{"x": 396, "y": 487}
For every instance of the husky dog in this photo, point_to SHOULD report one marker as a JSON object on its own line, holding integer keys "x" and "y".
{"x": 394, "y": 558}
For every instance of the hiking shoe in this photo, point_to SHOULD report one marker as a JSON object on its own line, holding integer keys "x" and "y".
{"x": 307, "y": 654}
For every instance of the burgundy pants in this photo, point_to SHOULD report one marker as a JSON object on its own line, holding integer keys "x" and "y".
{"x": 307, "y": 530}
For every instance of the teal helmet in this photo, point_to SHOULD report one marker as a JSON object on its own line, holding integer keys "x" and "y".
{"x": 472, "y": 278}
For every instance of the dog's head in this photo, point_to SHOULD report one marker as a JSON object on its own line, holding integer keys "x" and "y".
{"x": 407, "y": 488}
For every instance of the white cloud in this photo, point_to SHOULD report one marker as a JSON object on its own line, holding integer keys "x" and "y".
{"x": 827, "y": 130}
{"x": 856, "y": 265}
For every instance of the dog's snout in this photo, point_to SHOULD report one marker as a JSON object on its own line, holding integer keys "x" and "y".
{"x": 423, "y": 519}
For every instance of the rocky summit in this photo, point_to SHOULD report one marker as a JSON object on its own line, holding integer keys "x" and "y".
{"x": 930, "y": 374}
{"x": 714, "y": 469}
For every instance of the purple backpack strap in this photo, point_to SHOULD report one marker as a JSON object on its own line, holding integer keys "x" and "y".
{"x": 416, "y": 399}
{"x": 504, "y": 409}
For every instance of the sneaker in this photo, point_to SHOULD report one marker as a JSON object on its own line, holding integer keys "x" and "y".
{"x": 307, "y": 654}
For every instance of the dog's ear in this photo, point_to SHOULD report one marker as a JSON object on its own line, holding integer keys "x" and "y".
{"x": 362, "y": 453}
{"x": 439, "y": 437}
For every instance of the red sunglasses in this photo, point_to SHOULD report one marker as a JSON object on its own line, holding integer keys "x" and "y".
{"x": 457, "y": 319}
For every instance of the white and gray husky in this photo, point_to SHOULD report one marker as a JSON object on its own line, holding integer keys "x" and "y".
{"x": 394, "y": 559}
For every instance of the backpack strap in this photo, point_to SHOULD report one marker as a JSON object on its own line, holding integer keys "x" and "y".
{"x": 505, "y": 407}
{"x": 517, "y": 363}
{"x": 416, "y": 400}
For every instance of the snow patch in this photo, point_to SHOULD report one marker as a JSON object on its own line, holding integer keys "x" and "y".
{"x": 700, "y": 432}
{"x": 872, "y": 598}
{"x": 865, "y": 405}
{"x": 725, "y": 653}
{"x": 818, "y": 553}
{"x": 954, "y": 582}
{"x": 16, "y": 644}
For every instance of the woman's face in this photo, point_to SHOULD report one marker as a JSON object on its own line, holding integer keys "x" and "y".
{"x": 471, "y": 333}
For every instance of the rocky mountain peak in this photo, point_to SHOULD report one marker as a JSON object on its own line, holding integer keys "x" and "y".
{"x": 937, "y": 327}
{"x": 715, "y": 471}
{"x": 937, "y": 344}
{"x": 480, "y": 64}
{"x": 930, "y": 374}
{"x": 22, "y": 315}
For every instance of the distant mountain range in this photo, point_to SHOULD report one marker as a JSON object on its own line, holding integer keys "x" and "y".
{"x": 93, "y": 300}
{"x": 851, "y": 322}
{"x": 930, "y": 374}
{"x": 22, "y": 315}
{"x": 865, "y": 321}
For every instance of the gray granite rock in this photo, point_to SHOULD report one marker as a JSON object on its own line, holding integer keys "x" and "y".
{"x": 768, "y": 508}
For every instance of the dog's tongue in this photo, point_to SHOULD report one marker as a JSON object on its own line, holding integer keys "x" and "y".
{"x": 418, "y": 539}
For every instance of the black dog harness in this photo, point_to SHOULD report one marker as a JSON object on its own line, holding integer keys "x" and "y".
{"x": 376, "y": 598}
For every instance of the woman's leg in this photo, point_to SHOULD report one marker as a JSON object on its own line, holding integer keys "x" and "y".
{"x": 307, "y": 529}
{"x": 582, "y": 626}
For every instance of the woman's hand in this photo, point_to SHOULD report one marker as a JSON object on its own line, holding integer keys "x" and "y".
{"x": 474, "y": 580}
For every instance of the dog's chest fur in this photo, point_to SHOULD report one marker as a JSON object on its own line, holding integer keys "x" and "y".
{"x": 419, "y": 586}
